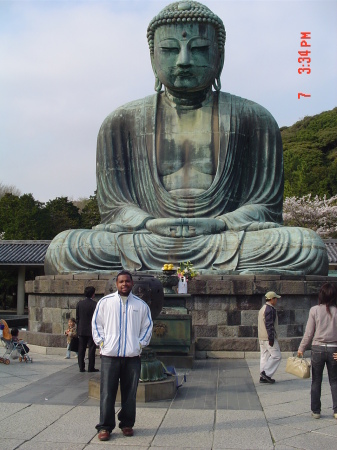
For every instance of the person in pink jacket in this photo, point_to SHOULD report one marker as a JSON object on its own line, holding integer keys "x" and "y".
{"x": 321, "y": 331}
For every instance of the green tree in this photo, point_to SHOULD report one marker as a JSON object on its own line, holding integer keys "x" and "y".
{"x": 22, "y": 217}
{"x": 310, "y": 156}
{"x": 90, "y": 215}
{"x": 305, "y": 172}
{"x": 62, "y": 215}
{"x": 8, "y": 287}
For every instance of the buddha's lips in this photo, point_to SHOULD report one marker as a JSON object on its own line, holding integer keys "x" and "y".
{"x": 183, "y": 73}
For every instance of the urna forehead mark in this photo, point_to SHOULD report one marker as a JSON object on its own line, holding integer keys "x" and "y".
{"x": 187, "y": 32}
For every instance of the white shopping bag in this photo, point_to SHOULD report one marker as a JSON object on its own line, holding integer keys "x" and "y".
{"x": 182, "y": 286}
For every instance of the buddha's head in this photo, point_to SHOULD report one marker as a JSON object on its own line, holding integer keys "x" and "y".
{"x": 187, "y": 47}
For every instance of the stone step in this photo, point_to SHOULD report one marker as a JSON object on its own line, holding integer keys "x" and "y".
{"x": 242, "y": 344}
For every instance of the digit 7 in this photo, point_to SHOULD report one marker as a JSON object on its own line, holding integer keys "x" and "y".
{"x": 300, "y": 94}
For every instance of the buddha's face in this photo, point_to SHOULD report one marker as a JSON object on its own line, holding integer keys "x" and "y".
{"x": 186, "y": 56}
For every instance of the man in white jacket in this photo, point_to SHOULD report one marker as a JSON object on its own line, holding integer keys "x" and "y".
{"x": 121, "y": 327}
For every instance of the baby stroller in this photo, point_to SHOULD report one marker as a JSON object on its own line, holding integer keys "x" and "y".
{"x": 14, "y": 350}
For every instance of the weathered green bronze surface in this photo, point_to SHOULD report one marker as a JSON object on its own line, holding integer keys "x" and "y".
{"x": 169, "y": 279}
{"x": 151, "y": 368}
{"x": 190, "y": 173}
{"x": 172, "y": 333}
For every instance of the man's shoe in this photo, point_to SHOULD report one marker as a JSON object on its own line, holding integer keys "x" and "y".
{"x": 262, "y": 380}
{"x": 103, "y": 435}
{"x": 93, "y": 370}
{"x": 127, "y": 431}
{"x": 82, "y": 370}
{"x": 265, "y": 377}
{"x": 315, "y": 415}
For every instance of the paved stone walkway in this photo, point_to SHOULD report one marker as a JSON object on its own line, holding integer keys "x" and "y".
{"x": 44, "y": 405}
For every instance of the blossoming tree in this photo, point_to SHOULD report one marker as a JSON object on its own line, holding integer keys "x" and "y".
{"x": 319, "y": 214}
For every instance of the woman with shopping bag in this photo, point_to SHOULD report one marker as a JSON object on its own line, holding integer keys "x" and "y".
{"x": 321, "y": 330}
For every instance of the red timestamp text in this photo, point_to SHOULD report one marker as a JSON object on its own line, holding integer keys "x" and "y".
{"x": 304, "y": 60}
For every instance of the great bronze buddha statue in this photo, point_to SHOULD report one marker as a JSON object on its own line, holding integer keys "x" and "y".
{"x": 190, "y": 173}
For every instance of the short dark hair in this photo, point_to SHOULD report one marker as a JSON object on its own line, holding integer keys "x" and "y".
{"x": 124, "y": 272}
{"x": 328, "y": 296}
{"x": 89, "y": 291}
{"x": 72, "y": 319}
{"x": 15, "y": 332}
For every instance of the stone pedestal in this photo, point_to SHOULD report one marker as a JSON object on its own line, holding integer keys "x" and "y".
{"x": 224, "y": 309}
{"x": 146, "y": 392}
{"x": 172, "y": 335}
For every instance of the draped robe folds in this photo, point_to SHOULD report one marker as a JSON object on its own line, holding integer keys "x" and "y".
{"x": 246, "y": 193}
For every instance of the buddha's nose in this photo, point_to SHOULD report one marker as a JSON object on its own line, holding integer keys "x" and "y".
{"x": 184, "y": 58}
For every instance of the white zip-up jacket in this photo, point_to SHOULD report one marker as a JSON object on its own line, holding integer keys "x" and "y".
{"x": 121, "y": 329}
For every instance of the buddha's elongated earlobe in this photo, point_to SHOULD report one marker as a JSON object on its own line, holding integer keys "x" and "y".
{"x": 158, "y": 84}
{"x": 217, "y": 84}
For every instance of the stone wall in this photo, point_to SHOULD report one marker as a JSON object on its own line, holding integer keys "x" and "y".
{"x": 224, "y": 309}
{"x": 52, "y": 302}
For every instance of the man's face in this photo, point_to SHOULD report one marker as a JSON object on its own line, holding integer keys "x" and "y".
{"x": 124, "y": 284}
{"x": 186, "y": 56}
{"x": 273, "y": 301}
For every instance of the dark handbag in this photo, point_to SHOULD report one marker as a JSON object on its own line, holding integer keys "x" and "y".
{"x": 73, "y": 347}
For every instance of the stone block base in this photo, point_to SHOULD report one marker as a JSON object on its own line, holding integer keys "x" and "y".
{"x": 243, "y": 344}
{"x": 146, "y": 392}
{"x": 47, "y": 350}
{"x": 44, "y": 339}
{"x": 223, "y": 308}
{"x": 237, "y": 355}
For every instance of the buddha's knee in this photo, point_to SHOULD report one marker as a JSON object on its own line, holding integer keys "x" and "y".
{"x": 82, "y": 250}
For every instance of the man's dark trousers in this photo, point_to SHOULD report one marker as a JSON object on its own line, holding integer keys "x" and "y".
{"x": 83, "y": 342}
{"x": 84, "y": 312}
{"x": 113, "y": 369}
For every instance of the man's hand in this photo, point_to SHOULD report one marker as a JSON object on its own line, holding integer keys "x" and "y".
{"x": 300, "y": 354}
{"x": 185, "y": 227}
{"x": 334, "y": 356}
{"x": 271, "y": 343}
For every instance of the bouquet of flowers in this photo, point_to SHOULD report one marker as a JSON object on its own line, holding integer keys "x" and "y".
{"x": 186, "y": 270}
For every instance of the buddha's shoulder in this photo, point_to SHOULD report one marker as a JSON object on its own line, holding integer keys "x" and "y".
{"x": 243, "y": 107}
{"x": 131, "y": 109}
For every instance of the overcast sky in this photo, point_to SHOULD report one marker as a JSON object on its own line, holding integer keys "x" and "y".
{"x": 65, "y": 65}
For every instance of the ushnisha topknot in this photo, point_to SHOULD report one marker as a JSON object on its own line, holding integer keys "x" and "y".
{"x": 185, "y": 12}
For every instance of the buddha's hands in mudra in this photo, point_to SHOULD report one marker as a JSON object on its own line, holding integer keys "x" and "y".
{"x": 185, "y": 227}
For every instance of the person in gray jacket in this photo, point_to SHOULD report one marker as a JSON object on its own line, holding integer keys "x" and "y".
{"x": 267, "y": 331}
{"x": 321, "y": 331}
